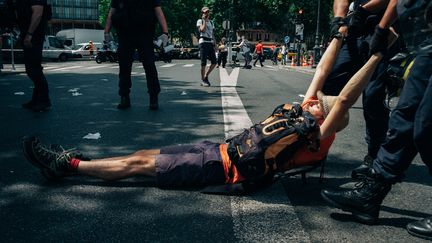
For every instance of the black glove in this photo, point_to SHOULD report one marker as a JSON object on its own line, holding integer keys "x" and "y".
{"x": 379, "y": 41}
{"x": 336, "y": 23}
{"x": 356, "y": 26}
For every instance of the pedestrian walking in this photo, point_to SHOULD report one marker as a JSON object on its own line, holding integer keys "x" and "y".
{"x": 259, "y": 53}
{"x": 244, "y": 46}
{"x": 223, "y": 53}
{"x": 284, "y": 54}
{"x": 410, "y": 125}
{"x": 207, "y": 45}
{"x": 32, "y": 16}
{"x": 134, "y": 21}
{"x": 91, "y": 49}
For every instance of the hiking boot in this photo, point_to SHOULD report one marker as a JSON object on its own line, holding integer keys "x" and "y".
{"x": 41, "y": 105}
{"x": 124, "y": 103}
{"x": 421, "y": 228}
{"x": 364, "y": 201}
{"x": 52, "y": 160}
{"x": 362, "y": 170}
{"x": 28, "y": 105}
{"x": 154, "y": 105}
{"x": 205, "y": 82}
{"x": 36, "y": 105}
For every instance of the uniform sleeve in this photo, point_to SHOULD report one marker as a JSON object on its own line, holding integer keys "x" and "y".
{"x": 38, "y": 2}
{"x": 114, "y": 4}
{"x": 199, "y": 22}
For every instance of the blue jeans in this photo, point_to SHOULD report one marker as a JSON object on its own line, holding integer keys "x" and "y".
{"x": 410, "y": 126}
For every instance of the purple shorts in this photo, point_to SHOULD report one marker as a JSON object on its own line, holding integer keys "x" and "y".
{"x": 194, "y": 165}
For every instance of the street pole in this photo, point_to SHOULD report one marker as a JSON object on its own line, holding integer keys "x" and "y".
{"x": 12, "y": 51}
{"x": 317, "y": 47}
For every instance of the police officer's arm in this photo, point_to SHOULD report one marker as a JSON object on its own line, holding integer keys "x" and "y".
{"x": 161, "y": 18}
{"x": 340, "y": 10}
{"x": 37, "y": 12}
{"x": 351, "y": 91}
{"x": 324, "y": 68}
{"x": 390, "y": 15}
{"x": 379, "y": 41}
{"x": 108, "y": 22}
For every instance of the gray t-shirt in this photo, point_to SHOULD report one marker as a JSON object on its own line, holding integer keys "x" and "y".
{"x": 208, "y": 32}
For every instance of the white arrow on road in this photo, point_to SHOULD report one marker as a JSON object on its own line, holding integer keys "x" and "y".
{"x": 267, "y": 216}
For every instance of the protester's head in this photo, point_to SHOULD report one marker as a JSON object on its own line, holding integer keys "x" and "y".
{"x": 259, "y": 41}
{"x": 326, "y": 103}
{"x": 223, "y": 39}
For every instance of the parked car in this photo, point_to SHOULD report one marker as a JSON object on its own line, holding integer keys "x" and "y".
{"x": 54, "y": 49}
{"x": 83, "y": 49}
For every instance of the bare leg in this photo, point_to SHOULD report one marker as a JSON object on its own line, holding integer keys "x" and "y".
{"x": 140, "y": 163}
{"x": 203, "y": 72}
{"x": 212, "y": 66}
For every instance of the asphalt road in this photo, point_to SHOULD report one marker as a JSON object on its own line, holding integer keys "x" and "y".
{"x": 84, "y": 96}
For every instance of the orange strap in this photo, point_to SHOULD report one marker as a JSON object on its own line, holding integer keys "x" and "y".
{"x": 229, "y": 167}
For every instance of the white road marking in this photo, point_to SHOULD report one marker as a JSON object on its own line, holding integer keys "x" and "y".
{"x": 66, "y": 68}
{"x": 168, "y": 65}
{"x": 260, "y": 215}
{"x": 98, "y": 66}
{"x": 188, "y": 65}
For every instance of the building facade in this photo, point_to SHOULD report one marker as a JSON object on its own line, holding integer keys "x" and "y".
{"x": 68, "y": 14}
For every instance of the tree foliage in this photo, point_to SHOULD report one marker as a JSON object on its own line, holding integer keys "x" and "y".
{"x": 277, "y": 16}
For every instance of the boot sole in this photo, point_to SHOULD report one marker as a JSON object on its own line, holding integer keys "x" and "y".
{"x": 420, "y": 236}
{"x": 359, "y": 216}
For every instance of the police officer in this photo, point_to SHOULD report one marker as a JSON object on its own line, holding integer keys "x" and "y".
{"x": 32, "y": 21}
{"x": 135, "y": 25}
{"x": 410, "y": 126}
{"x": 357, "y": 28}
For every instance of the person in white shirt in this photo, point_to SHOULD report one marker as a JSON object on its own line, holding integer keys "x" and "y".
{"x": 207, "y": 45}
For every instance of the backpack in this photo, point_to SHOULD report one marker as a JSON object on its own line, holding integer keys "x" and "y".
{"x": 257, "y": 152}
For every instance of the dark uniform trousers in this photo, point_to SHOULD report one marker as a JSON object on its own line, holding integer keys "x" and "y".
{"x": 33, "y": 67}
{"x": 352, "y": 56}
{"x": 410, "y": 126}
{"x": 128, "y": 43}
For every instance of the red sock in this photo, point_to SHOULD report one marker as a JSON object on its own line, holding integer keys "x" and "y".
{"x": 74, "y": 164}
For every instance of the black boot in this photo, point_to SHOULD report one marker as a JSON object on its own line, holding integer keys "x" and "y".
{"x": 124, "y": 103}
{"x": 364, "y": 201}
{"x": 362, "y": 170}
{"x": 154, "y": 105}
{"x": 421, "y": 228}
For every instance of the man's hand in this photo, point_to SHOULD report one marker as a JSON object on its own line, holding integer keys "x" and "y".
{"x": 357, "y": 22}
{"x": 107, "y": 37}
{"x": 379, "y": 41}
{"x": 164, "y": 38}
{"x": 27, "y": 41}
{"x": 338, "y": 24}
